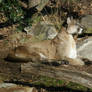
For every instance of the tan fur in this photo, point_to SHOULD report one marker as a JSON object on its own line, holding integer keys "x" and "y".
{"x": 59, "y": 48}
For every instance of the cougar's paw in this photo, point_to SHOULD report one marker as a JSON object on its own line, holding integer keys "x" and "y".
{"x": 64, "y": 62}
{"x": 88, "y": 63}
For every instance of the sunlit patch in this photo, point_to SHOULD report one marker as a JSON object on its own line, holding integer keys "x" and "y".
{"x": 42, "y": 56}
{"x": 72, "y": 53}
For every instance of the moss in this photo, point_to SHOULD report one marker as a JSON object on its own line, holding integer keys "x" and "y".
{"x": 89, "y": 30}
{"x": 76, "y": 86}
{"x": 51, "y": 82}
{"x": 35, "y": 19}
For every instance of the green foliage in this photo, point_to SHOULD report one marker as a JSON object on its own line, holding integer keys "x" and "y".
{"x": 51, "y": 82}
{"x": 12, "y": 10}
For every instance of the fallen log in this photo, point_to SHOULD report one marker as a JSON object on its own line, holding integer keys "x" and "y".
{"x": 22, "y": 72}
{"x": 74, "y": 75}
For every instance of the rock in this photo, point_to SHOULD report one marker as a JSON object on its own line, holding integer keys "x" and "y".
{"x": 85, "y": 48}
{"x": 43, "y": 90}
{"x": 42, "y": 4}
{"x": 43, "y": 30}
{"x": 6, "y": 85}
{"x": 87, "y": 22}
{"x": 9, "y": 87}
{"x": 39, "y": 4}
{"x": 1, "y": 1}
{"x": 33, "y": 3}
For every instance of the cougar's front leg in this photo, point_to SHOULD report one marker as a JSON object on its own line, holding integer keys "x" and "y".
{"x": 75, "y": 61}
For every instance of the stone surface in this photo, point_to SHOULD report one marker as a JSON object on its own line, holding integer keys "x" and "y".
{"x": 33, "y": 3}
{"x": 87, "y": 22}
{"x": 42, "y": 4}
{"x": 1, "y": 1}
{"x": 39, "y": 4}
{"x": 85, "y": 48}
{"x": 43, "y": 30}
{"x": 9, "y": 87}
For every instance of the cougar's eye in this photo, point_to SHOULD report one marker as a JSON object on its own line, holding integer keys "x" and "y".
{"x": 80, "y": 30}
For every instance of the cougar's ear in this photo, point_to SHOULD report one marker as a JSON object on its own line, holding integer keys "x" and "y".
{"x": 68, "y": 20}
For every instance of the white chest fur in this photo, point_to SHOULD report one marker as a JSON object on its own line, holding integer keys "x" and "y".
{"x": 42, "y": 56}
{"x": 72, "y": 53}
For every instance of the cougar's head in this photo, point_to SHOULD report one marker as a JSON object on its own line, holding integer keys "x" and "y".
{"x": 73, "y": 26}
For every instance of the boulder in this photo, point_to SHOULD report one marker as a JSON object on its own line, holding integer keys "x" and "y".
{"x": 42, "y": 30}
{"x": 7, "y": 85}
{"x": 85, "y": 48}
{"x": 10, "y": 87}
{"x": 39, "y": 4}
{"x": 87, "y": 22}
{"x": 33, "y": 3}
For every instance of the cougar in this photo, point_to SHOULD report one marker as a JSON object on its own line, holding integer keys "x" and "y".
{"x": 62, "y": 47}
